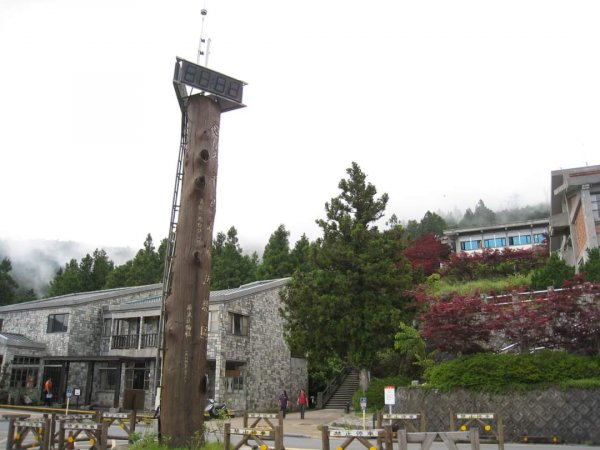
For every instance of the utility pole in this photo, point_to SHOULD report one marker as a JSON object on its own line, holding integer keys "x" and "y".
{"x": 187, "y": 291}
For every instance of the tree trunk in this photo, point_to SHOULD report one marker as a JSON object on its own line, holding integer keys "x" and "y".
{"x": 364, "y": 378}
{"x": 186, "y": 308}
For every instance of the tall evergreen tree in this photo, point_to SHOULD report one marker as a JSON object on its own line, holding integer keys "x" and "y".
{"x": 67, "y": 280}
{"x": 145, "y": 268}
{"x": 432, "y": 223}
{"x": 230, "y": 267}
{"x": 350, "y": 303}
{"x": 481, "y": 217}
{"x": 8, "y": 286}
{"x": 300, "y": 254}
{"x": 276, "y": 261}
{"x": 102, "y": 266}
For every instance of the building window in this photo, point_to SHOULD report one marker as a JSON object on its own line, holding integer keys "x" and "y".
{"x": 470, "y": 245}
{"x": 595, "y": 199}
{"x": 519, "y": 240}
{"x": 137, "y": 375}
{"x": 108, "y": 378}
{"x": 234, "y": 376}
{"x": 494, "y": 243}
{"x": 239, "y": 324}
{"x": 539, "y": 238}
{"x": 24, "y": 372}
{"x": 57, "y": 323}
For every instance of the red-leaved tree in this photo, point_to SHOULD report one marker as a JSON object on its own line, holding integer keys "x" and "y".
{"x": 427, "y": 253}
{"x": 567, "y": 319}
{"x": 456, "y": 326}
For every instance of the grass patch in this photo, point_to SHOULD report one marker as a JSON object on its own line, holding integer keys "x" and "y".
{"x": 443, "y": 286}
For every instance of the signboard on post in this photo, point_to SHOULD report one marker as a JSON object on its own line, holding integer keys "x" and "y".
{"x": 363, "y": 403}
{"x": 390, "y": 395}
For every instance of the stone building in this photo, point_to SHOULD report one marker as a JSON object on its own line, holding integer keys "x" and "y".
{"x": 103, "y": 347}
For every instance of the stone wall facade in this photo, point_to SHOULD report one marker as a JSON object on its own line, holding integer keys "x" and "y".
{"x": 82, "y": 338}
{"x": 269, "y": 365}
{"x": 572, "y": 415}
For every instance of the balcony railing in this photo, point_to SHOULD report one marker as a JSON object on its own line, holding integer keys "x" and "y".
{"x": 149, "y": 340}
{"x": 131, "y": 341}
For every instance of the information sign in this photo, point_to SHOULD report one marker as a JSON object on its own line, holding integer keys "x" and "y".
{"x": 69, "y": 392}
{"x": 355, "y": 433}
{"x": 363, "y": 403}
{"x": 390, "y": 395}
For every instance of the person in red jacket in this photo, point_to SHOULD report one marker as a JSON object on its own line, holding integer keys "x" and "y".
{"x": 302, "y": 402}
{"x": 48, "y": 391}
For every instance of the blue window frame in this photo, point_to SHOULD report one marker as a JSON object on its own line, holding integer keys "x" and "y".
{"x": 539, "y": 238}
{"x": 519, "y": 240}
{"x": 495, "y": 242}
{"x": 470, "y": 245}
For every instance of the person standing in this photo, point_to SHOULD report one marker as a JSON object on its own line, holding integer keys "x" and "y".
{"x": 48, "y": 391}
{"x": 283, "y": 401}
{"x": 302, "y": 402}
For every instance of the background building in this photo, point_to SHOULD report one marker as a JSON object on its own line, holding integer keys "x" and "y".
{"x": 575, "y": 213}
{"x": 516, "y": 235}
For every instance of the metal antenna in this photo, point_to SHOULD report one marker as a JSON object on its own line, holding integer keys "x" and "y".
{"x": 202, "y": 41}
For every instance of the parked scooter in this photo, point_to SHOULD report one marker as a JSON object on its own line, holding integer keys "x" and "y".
{"x": 214, "y": 410}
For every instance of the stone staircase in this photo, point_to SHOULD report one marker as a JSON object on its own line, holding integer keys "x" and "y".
{"x": 343, "y": 394}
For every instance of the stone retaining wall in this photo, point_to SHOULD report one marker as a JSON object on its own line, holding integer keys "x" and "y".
{"x": 572, "y": 415}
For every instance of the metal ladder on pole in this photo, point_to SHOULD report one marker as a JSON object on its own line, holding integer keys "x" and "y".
{"x": 170, "y": 250}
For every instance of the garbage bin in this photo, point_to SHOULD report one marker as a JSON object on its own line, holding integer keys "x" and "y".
{"x": 347, "y": 408}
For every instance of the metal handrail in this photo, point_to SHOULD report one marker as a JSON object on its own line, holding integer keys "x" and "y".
{"x": 335, "y": 384}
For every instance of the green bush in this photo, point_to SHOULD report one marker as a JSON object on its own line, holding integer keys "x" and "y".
{"x": 489, "y": 372}
{"x": 375, "y": 393}
{"x": 554, "y": 273}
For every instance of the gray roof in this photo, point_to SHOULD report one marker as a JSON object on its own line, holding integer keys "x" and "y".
{"x": 18, "y": 340}
{"x": 215, "y": 296}
{"x": 147, "y": 302}
{"x": 78, "y": 299}
{"x": 503, "y": 226}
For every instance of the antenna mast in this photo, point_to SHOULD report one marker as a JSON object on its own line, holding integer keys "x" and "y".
{"x": 204, "y": 12}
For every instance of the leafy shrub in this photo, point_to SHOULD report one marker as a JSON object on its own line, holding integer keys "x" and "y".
{"x": 554, "y": 273}
{"x": 375, "y": 393}
{"x": 490, "y": 372}
{"x": 591, "y": 269}
{"x": 494, "y": 263}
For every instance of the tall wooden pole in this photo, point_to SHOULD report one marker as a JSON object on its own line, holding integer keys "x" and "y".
{"x": 186, "y": 308}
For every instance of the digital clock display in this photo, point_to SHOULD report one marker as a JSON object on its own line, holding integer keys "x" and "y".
{"x": 208, "y": 80}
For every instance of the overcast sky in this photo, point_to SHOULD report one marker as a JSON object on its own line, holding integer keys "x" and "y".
{"x": 441, "y": 103}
